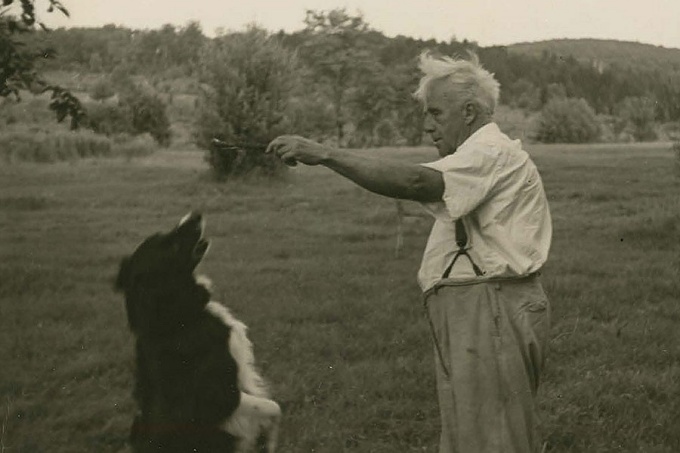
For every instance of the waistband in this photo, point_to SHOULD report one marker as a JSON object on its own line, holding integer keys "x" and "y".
{"x": 478, "y": 281}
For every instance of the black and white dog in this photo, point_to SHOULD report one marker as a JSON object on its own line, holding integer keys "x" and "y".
{"x": 196, "y": 386}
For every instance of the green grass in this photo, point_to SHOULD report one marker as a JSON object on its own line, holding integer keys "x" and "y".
{"x": 308, "y": 262}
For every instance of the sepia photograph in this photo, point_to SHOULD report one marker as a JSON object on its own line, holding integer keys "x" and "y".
{"x": 333, "y": 226}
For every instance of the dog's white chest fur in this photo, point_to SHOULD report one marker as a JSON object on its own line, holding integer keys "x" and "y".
{"x": 256, "y": 411}
{"x": 241, "y": 350}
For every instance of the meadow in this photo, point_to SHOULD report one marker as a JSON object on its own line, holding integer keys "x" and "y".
{"x": 308, "y": 262}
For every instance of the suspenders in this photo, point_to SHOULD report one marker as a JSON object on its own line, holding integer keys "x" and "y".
{"x": 461, "y": 241}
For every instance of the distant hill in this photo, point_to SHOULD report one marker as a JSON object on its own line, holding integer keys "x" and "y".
{"x": 605, "y": 52}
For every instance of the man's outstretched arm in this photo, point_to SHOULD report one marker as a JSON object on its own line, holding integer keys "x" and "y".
{"x": 387, "y": 177}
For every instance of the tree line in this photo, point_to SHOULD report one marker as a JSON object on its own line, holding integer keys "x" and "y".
{"x": 354, "y": 83}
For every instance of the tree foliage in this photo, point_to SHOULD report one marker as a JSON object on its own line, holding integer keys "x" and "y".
{"x": 356, "y": 83}
{"x": 567, "y": 120}
{"x": 18, "y": 61}
{"x": 637, "y": 115}
{"x": 148, "y": 114}
{"x": 247, "y": 79}
{"x": 336, "y": 50}
{"x": 138, "y": 111}
{"x": 102, "y": 90}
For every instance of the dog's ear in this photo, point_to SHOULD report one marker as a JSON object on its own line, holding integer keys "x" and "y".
{"x": 123, "y": 279}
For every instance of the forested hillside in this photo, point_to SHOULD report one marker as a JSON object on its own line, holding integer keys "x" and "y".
{"x": 356, "y": 82}
{"x": 607, "y": 52}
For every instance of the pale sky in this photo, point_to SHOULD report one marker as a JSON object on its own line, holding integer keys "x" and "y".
{"x": 489, "y": 22}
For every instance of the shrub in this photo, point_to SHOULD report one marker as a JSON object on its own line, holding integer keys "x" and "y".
{"x": 134, "y": 146}
{"x": 148, "y": 114}
{"x": 638, "y": 115}
{"x": 670, "y": 131}
{"x": 102, "y": 90}
{"x": 109, "y": 119}
{"x": 247, "y": 79}
{"x": 120, "y": 78}
{"x": 567, "y": 120}
{"x": 137, "y": 112}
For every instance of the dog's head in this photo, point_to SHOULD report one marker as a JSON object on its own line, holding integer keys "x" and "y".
{"x": 157, "y": 279}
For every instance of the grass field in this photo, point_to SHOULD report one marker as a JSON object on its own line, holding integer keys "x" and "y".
{"x": 336, "y": 318}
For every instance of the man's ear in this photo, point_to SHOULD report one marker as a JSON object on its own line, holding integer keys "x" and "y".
{"x": 470, "y": 112}
{"x": 123, "y": 279}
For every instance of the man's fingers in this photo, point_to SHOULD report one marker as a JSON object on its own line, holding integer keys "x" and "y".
{"x": 272, "y": 146}
{"x": 284, "y": 147}
{"x": 275, "y": 144}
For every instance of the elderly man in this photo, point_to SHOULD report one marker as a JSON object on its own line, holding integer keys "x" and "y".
{"x": 487, "y": 310}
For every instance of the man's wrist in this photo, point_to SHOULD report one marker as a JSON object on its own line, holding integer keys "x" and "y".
{"x": 327, "y": 155}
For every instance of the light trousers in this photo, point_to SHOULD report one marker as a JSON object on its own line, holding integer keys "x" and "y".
{"x": 490, "y": 342}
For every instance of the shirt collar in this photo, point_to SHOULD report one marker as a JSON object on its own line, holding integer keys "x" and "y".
{"x": 484, "y": 131}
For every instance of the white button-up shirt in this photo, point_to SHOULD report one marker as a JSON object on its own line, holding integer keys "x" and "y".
{"x": 492, "y": 184}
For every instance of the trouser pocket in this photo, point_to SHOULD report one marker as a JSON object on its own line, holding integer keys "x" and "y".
{"x": 532, "y": 318}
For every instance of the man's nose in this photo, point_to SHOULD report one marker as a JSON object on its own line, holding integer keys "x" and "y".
{"x": 428, "y": 124}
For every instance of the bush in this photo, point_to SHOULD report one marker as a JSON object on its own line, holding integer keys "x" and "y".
{"x": 247, "y": 79}
{"x": 638, "y": 115}
{"x": 148, "y": 114}
{"x": 134, "y": 146}
{"x": 670, "y": 131}
{"x": 137, "y": 112}
{"x": 109, "y": 119}
{"x": 567, "y": 120}
{"x": 102, "y": 90}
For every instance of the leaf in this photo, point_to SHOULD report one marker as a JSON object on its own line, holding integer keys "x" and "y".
{"x": 63, "y": 10}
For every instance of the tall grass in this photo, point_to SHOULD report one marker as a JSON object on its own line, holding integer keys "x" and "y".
{"x": 46, "y": 146}
{"x": 30, "y": 133}
{"x": 41, "y": 146}
{"x": 308, "y": 262}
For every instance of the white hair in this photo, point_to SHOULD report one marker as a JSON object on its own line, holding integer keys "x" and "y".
{"x": 467, "y": 79}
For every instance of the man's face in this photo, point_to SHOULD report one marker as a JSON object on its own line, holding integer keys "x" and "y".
{"x": 444, "y": 118}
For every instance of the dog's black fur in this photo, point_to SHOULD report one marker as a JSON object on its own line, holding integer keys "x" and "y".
{"x": 186, "y": 382}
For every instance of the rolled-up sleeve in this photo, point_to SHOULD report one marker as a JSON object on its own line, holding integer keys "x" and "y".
{"x": 469, "y": 176}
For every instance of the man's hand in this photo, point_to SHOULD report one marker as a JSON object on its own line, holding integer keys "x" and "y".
{"x": 292, "y": 149}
